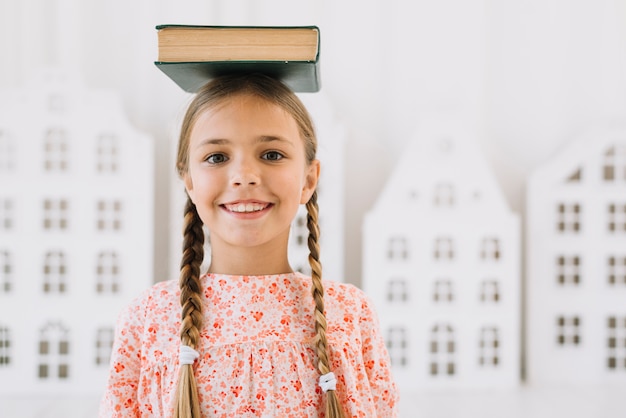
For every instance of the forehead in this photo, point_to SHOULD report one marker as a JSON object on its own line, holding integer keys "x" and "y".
{"x": 245, "y": 114}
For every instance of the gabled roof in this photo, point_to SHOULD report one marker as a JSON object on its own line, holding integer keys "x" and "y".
{"x": 444, "y": 152}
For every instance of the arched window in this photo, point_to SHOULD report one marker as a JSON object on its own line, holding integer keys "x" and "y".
{"x": 490, "y": 249}
{"x": 397, "y": 346}
{"x": 107, "y": 272}
{"x": 397, "y": 248}
{"x": 107, "y": 153}
{"x": 489, "y": 291}
{"x": 442, "y": 350}
{"x": 104, "y": 345}
{"x": 443, "y": 249}
{"x": 54, "y": 352}
{"x": 56, "y": 150}
{"x": 443, "y": 291}
{"x": 54, "y": 272}
{"x": 489, "y": 347}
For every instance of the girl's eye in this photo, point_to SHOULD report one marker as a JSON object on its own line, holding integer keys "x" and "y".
{"x": 273, "y": 156}
{"x": 216, "y": 158}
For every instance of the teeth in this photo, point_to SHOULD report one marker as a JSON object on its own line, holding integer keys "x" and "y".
{"x": 245, "y": 208}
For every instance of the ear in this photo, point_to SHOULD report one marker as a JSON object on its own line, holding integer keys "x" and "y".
{"x": 188, "y": 186}
{"x": 310, "y": 181}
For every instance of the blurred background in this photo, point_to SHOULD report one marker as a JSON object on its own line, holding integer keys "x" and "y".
{"x": 526, "y": 76}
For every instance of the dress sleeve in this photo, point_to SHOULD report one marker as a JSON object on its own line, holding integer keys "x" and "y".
{"x": 377, "y": 363}
{"x": 120, "y": 397}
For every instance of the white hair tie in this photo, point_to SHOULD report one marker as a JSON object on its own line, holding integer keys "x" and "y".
{"x": 328, "y": 382}
{"x": 188, "y": 355}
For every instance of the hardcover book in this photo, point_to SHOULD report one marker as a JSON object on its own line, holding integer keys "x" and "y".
{"x": 193, "y": 55}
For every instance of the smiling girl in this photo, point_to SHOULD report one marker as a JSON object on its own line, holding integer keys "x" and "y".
{"x": 256, "y": 339}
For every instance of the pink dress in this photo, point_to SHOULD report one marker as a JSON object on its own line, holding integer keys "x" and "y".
{"x": 256, "y": 353}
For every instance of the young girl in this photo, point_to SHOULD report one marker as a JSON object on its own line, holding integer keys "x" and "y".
{"x": 254, "y": 339}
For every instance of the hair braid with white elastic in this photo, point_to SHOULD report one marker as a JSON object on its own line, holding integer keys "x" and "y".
{"x": 333, "y": 409}
{"x": 187, "y": 404}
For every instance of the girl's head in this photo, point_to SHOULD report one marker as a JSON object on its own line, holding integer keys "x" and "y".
{"x": 222, "y": 89}
{"x": 247, "y": 151}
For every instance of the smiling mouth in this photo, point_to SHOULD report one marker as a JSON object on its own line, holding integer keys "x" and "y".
{"x": 247, "y": 207}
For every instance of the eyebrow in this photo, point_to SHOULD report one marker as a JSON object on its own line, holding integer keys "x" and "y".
{"x": 261, "y": 139}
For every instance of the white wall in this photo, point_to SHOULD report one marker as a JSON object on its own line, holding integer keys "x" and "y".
{"x": 529, "y": 74}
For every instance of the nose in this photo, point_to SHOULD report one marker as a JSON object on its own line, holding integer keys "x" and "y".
{"x": 245, "y": 174}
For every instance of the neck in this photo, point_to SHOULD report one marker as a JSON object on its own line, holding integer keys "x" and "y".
{"x": 249, "y": 261}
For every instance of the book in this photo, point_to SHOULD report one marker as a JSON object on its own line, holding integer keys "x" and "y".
{"x": 192, "y": 55}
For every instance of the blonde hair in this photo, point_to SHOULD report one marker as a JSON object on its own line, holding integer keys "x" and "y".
{"x": 218, "y": 90}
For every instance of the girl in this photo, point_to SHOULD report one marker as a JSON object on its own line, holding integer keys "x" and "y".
{"x": 256, "y": 339}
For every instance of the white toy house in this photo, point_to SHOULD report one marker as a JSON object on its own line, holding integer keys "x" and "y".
{"x": 441, "y": 263}
{"x": 331, "y": 142}
{"x": 576, "y": 263}
{"x": 76, "y": 221}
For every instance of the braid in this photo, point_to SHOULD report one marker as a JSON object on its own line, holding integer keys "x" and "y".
{"x": 186, "y": 402}
{"x": 333, "y": 409}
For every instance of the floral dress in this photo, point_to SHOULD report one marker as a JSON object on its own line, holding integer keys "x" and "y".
{"x": 257, "y": 357}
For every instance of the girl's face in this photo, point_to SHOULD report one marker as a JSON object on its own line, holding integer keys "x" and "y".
{"x": 248, "y": 173}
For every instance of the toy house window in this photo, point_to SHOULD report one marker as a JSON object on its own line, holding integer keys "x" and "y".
{"x": 568, "y": 217}
{"x": 568, "y": 270}
{"x": 617, "y": 270}
{"x": 490, "y": 249}
{"x": 442, "y": 350}
{"x": 6, "y": 272}
{"x": 5, "y": 347}
{"x": 109, "y": 215}
{"x": 54, "y": 273}
{"x": 442, "y": 291}
{"x": 104, "y": 345}
{"x": 489, "y": 291}
{"x": 616, "y": 343}
{"x": 7, "y": 152}
{"x": 489, "y": 347}
{"x": 444, "y": 195}
{"x": 54, "y": 350}
{"x": 300, "y": 231}
{"x": 397, "y": 249}
{"x": 614, "y": 167}
{"x": 617, "y": 217}
{"x": 107, "y": 153}
{"x": 397, "y": 346}
{"x": 107, "y": 272}
{"x": 6, "y": 214}
{"x": 568, "y": 330}
{"x": 397, "y": 291}
{"x": 55, "y": 214}
{"x": 55, "y": 150}
{"x": 444, "y": 249}
{"x": 576, "y": 176}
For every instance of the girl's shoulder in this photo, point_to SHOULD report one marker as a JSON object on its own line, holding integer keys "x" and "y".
{"x": 342, "y": 296}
